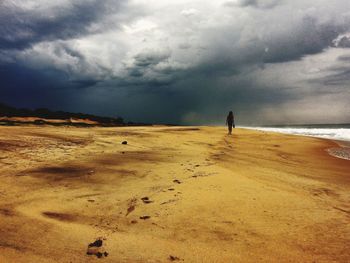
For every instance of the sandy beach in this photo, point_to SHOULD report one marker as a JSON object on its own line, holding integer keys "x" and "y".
{"x": 171, "y": 194}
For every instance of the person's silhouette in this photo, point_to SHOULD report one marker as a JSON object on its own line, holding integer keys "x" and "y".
{"x": 230, "y": 122}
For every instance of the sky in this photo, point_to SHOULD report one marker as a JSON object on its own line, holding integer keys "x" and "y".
{"x": 179, "y": 62}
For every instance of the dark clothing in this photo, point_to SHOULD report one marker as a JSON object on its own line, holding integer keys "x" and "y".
{"x": 230, "y": 120}
{"x": 230, "y": 123}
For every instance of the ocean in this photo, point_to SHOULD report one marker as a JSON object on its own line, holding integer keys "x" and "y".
{"x": 340, "y": 132}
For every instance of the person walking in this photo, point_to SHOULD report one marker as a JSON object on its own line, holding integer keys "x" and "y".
{"x": 230, "y": 122}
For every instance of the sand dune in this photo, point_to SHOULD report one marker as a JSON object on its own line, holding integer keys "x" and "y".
{"x": 181, "y": 194}
{"x": 47, "y": 121}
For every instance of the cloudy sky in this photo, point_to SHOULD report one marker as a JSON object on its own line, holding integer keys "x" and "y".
{"x": 186, "y": 62}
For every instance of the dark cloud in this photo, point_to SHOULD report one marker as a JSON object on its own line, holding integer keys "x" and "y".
{"x": 311, "y": 37}
{"x": 24, "y": 87}
{"x": 145, "y": 70}
{"x": 149, "y": 63}
{"x": 85, "y": 83}
{"x": 20, "y": 27}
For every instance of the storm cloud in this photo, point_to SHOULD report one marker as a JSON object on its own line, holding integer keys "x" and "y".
{"x": 187, "y": 62}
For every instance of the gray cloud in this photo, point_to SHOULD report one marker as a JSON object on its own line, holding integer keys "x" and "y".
{"x": 186, "y": 62}
{"x": 22, "y": 26}
{"x": 342, "y": 42}
{"x": 253, "y": 3}
{"x": 310, "y": 38}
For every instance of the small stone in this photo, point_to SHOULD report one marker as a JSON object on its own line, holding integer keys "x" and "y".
{"x": 124, "y": 142}
{"x": 173, "y": 258}
{"x": 97, "y": 243}
{"x": 95, "y": 249}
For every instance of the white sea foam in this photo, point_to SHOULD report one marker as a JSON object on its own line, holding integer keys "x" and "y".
{"x": 342, "y": 134}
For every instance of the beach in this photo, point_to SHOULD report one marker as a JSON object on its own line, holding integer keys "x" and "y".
{"x": 171, "y": 194}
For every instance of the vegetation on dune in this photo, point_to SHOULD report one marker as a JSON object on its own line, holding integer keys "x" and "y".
{"x": 8, "y": 111}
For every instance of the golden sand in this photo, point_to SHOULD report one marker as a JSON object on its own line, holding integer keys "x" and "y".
{"x": 181, "y": 194}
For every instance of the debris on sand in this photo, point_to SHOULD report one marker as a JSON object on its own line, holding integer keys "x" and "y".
{"x": 130, "y": 209}
{"x": 96, "y": 249}
{"x": 131, "y": 206}
{"x": 173, "y": 258}
{"x": 177, "y": 181}
{"x": 169, "y": 201}
{"x": 145, "y": 217}
{"x": 171, "y": 189}
{"x": 124, "y": 142}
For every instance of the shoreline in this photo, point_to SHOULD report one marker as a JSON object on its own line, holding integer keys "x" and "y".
{"x": 342, "y": 152}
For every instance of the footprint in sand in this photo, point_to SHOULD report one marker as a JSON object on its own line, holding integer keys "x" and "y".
{"x": 146, "y": 200}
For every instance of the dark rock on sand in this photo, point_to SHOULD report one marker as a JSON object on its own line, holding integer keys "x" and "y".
{"x": 173, "y": 258}
{"x": 97, "y": 243}
{"x": 145, "y": 217}
{"x": 95, "y": 248}
{"x": 124, "y": 142}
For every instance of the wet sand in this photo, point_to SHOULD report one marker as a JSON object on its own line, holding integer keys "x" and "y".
{"x": 171, "y": 194}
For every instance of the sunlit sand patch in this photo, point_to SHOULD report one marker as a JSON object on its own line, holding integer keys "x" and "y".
{"x": 191, "y": 194}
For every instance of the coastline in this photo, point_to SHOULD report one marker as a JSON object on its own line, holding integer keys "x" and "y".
{"x": 255, "y": 196}
{"x": 342, "y": 152}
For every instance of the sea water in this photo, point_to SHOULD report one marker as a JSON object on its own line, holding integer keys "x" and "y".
{"x": 339, "y": 132}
